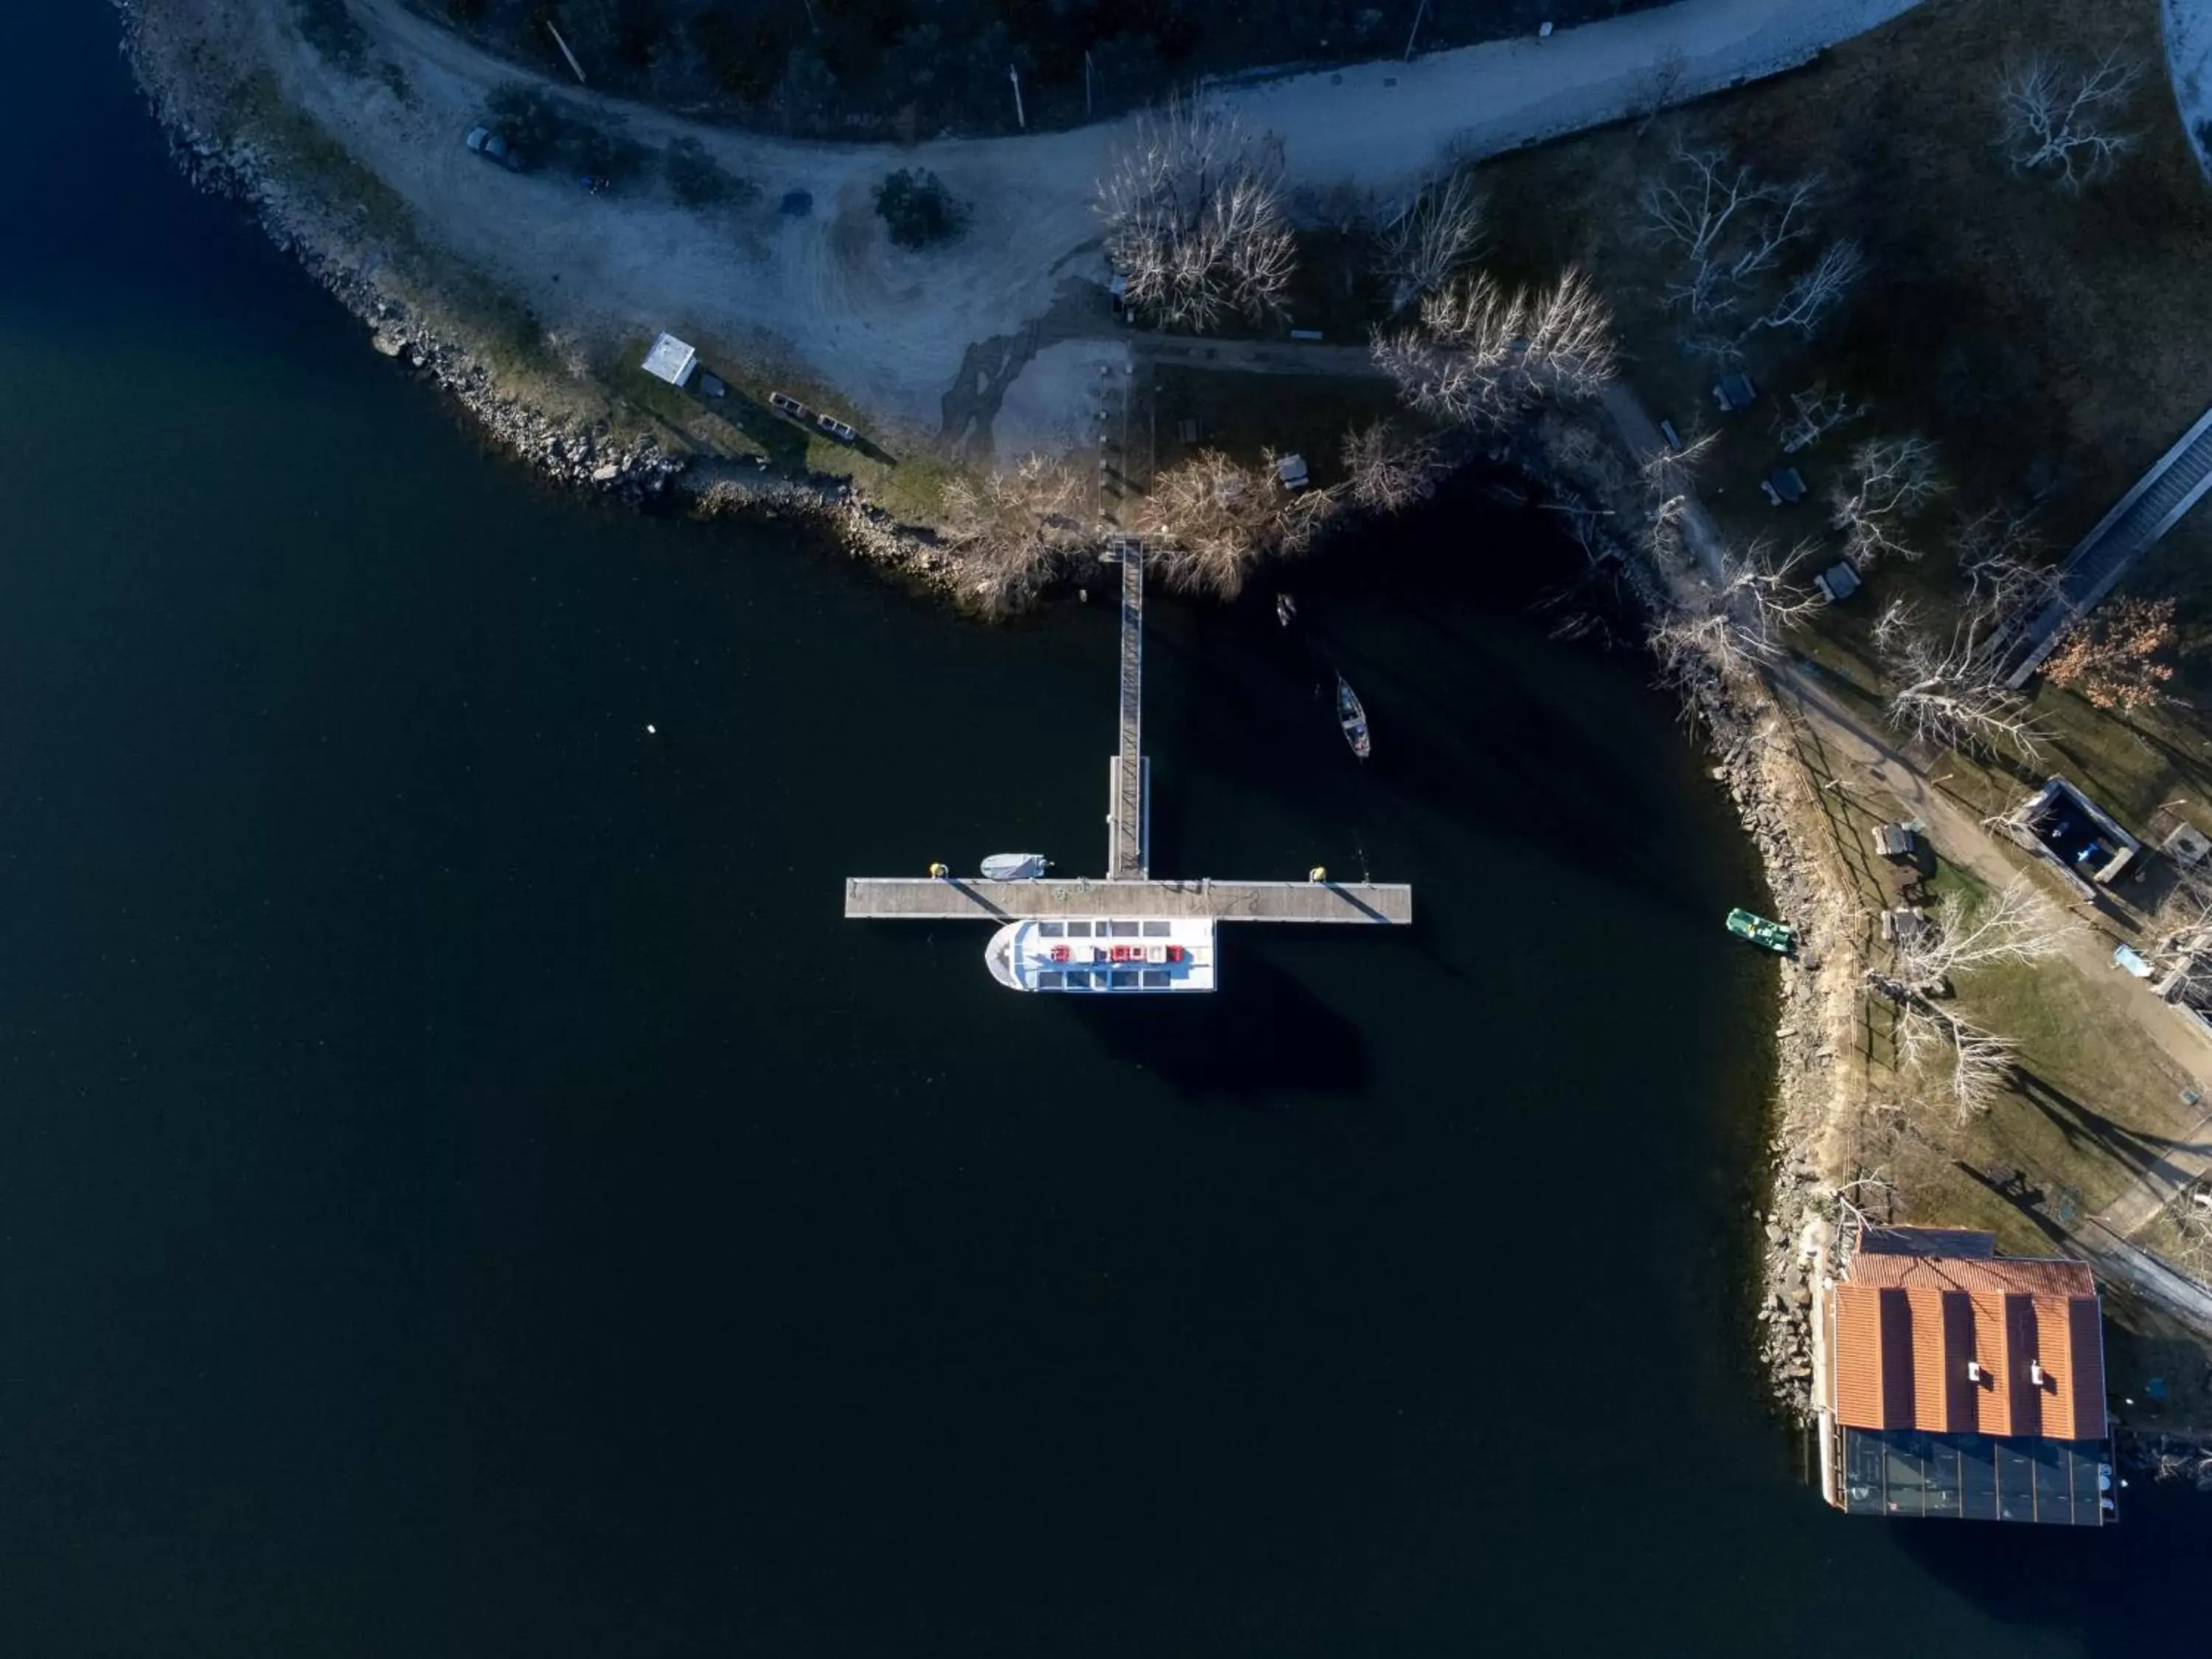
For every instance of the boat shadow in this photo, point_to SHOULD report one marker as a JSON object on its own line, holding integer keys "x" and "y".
{"x": 1261, "y": 1035}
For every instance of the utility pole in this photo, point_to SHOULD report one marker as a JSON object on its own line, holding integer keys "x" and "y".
{"x": 566, "y": 53}
{"x": 1020, "y": 119}
{"x": 1418, "y": 12}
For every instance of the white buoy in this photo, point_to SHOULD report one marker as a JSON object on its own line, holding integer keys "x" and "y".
{"x": 650, "y": 730}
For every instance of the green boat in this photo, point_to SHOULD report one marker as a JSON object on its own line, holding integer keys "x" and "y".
{"x": 1771, "y": 935}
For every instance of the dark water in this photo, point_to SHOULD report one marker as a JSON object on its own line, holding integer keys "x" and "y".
{"x": 463, "y": 1190}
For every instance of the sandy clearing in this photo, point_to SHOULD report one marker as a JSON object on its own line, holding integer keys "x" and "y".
{"x": 888, "y": 330}
{"x": 1051, "y": 406}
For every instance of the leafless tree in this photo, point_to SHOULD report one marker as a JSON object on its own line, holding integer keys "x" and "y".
{"x": 1950, "y": 692}
{"x": 1213, "y": 521}
{"x": 2182, "y": 940}
{"x": 1433, "y": 236}
{"x": 1014, "y": 529}
{"x": 1194, "y": 221}
{"x": 1728, "y": 224}
{"x": 2190, "y": 1215}
{"x": 1730, "y": 629}
{"x": 2012, "y": 924}
{"x": 1816, "y": 290}
{"x": 1999, "y": 557}
{"x": 1660, "y": 82}
{"x": 2061, "y": 121}
{"x": 1814, "y": 413}
{"x": 1387, "y": 469}
{"x": 1481, "y": 354}
{"x": 1887, "y": 480}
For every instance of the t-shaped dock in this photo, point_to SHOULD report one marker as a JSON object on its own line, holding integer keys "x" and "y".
{"x": 1128, "y": 891}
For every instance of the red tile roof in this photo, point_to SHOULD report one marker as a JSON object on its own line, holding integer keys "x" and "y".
{"x": 1902, "y": 1331}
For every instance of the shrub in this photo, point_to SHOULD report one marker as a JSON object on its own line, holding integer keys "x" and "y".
{"x": 546, "y": 133}
{"x": 918, "y": 209}
{"x": 696, "y": 179}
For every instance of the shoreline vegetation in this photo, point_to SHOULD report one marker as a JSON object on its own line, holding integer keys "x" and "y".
{"x": 1578, "y": 438}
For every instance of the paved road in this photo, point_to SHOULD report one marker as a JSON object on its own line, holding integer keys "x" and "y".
{"x": 888, "y": 332}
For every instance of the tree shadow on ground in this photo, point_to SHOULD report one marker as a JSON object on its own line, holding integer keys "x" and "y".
{"x": 2136, "y": 1149}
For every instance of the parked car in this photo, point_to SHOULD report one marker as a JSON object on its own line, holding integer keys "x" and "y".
{"x": 493, "y": 147}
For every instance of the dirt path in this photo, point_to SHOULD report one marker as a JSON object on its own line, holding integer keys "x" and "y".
{"x": 825, "y": 294}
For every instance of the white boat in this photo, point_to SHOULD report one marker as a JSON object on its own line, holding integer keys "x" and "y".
{"x": 1101, "y": 956}
{"x": 1015, "y": 866}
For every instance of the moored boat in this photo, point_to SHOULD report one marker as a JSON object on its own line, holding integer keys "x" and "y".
{"x": 1774, "y": 936}
{"x": 1015, "y": 866}
{"x": 1104, "y": 956}
{"x": 1286, "y": 608}
{"x": 1352, "y": 718}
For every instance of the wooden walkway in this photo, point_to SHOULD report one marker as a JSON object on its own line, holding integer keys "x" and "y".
{"x": 1128, "y": 818}
{"x": 895, "y": 898}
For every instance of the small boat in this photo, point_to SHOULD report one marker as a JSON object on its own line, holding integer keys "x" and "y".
{"x": 1768, "y": 935}
{"x": 1286, "y": 608}
{"x": 1352, "y": 718}
{"x": 1101, "y": 955}
{"x": 1015, "y": 866}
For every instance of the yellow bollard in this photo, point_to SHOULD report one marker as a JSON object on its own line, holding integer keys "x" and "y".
{"x": 1319, "y": 872}
{"x": 937, "y": 873}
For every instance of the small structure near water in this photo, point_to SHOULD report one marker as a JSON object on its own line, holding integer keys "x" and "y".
{"x": 2078, "y": 838}
{"x": 671, "y": 360}
{"x": 1954, "y": 1383}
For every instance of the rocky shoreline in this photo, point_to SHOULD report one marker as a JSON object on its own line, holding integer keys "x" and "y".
{"x": 1768, "y": 786}
{"x": 1756, "y": 762}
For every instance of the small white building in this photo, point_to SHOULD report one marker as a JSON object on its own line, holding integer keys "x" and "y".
{"x": 671, "y": 361}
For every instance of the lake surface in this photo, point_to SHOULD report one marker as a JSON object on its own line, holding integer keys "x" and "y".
{"x": 465, "y": 1191}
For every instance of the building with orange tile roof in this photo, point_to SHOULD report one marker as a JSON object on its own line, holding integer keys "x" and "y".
{"x": 1955, "y": 1382}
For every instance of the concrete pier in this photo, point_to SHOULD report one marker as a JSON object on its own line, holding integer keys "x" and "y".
{"x": 950, "y": 898}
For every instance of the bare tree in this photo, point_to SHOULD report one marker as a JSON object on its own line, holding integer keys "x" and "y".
{"x": 2061, "y": 121}
{"x": 2114, "y": 658}
{"x": 1433, "y": 236}
{"x": 1889, "y": 479}
{"x": 1387, "y": 469}
{"x": 1730, "y": 629}
{"x": 2000, "y": 557}
{"x": 1479, "y": 355}
{"x": 1195, "y": 223}
{"x": 1014, "y": 529}
{"x": 1814, "y": 413}
{"x": 2182, "y": 940}
{"x": 2190, "y": 1213}
{"x": 2012, "y": 924}
{"x": 1728, "y": 223}
{"x": 1951, "y": 692}
{"x": 1214, "y": 521}
{"x": 1660, "y": 84}
{"x": 1816, "y": 290}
